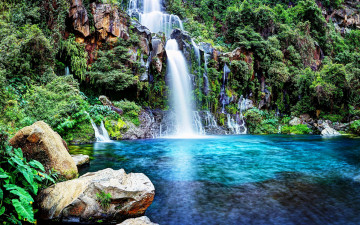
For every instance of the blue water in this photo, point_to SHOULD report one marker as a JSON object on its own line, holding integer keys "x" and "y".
{"x": 242, "y": 179}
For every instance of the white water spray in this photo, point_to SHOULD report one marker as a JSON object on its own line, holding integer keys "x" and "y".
{"x": 101, "y": 133}
{"x": 150, "y": 14}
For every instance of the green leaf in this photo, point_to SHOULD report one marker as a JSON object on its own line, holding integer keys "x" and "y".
{"x": 1, "y": 194}
{"x": 22, "y": 193}
{"x": 17, "y": 161}
{"x": 3, "y": 174}
{"x": 24, "y": 209}
{"x": 18, "y": 152}
{"x": 2, "y": 210}
{"x": 26, "y": 172}
{"x": 48, "y": 177}
{"x": 37, "y": 164}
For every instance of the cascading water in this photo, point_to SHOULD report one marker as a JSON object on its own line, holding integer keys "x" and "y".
{"x": 210, "y": 120}
{"x": 101, "y": 133}
{"x": 150, "y": 14}
{"x": 67, "y": 71}
{"x": 198, "y": 123}
{"x": 181, "y": 89}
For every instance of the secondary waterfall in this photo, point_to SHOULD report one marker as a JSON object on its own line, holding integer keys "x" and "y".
{"x": 181, "y": 89}
{"x": 101, "y": 133}
{"x": 150, "y": 14}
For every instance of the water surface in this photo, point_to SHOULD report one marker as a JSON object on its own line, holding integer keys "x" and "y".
{"x": 243, "y": 179}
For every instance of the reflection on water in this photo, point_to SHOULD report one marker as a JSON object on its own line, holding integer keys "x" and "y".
{"x": 243, "y": 179}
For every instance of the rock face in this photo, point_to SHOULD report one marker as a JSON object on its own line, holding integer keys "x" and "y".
{"x": 131, "y": 195}
{"x": 138, "y": 221}
{"x": 79, "y": 17}
{"x": 81, "y": 159}
{"x": 41, "y": 143}
{"x": 158, "y": 53}
{"x": 107, "y": 21}
{"x": 345, "y": 17}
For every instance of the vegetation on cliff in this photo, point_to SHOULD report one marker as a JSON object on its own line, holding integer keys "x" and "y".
{"x": 291, "y": 57}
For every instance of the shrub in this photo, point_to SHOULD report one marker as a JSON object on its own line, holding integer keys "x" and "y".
{"x": 355, "y": 127}
{"x": 20, "y": 182}
{"x": 298, "y": 129}
{"x": 131, "y": 111}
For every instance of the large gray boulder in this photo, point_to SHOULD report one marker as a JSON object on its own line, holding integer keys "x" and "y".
{"x": 78, "y": 200}
{"x": 138, "y": 221}
{"x": 328, "y": 131}
{"x": 295, "y": 121}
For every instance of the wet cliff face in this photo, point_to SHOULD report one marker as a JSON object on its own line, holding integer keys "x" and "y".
{"x": 345, "y": 18}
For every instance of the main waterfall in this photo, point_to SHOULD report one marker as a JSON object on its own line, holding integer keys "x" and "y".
{"x": 150, "y": 13}
{"x": 181, "y": 90}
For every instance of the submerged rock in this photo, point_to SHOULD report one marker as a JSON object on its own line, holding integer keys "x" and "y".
{"x": 130, "y": 195}
{"x": 81, "y": 159}
{"x": 41, "y": 143}
{"x": 144, "y": 220}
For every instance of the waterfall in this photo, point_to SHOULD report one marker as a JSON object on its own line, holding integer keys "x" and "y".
{"x": 181, "y": 89}
{"x": 67, "y": 71}
{"x": 101, "y": 133}
{"x": 150, "y": 14}
{"x": 232, "y": 125}
{"x": 198, "y": 123}
{"x": 210, "y": 120}
{"x": 197, "y": 51}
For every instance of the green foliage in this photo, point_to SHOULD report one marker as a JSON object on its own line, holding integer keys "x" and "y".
{"x": 104, "y": 199}
{"x": 20, "y": 182}
{"x": 261, "y": 122}
{"x": 332, "y": 117}
{"x": 114, "y": 70}
{"x": 75, "y": 53}
{"x": 298, "y": 129}
{"x": 25, "y": 54}
{"x": 355, "y": 127}
{"x": 131, "y": 111}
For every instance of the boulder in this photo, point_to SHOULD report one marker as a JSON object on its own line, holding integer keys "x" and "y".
{"x": 328, "y": 131}
{"x": 78, "y": 200}
{"x": 295, "y": 121}
{"x": 144, "y": 220}
{"x": 41, "y": 143}
{"x": 81, "y": 159}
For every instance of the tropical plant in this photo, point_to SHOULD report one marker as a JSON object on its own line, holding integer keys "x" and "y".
{"x": 20, "y": 181}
